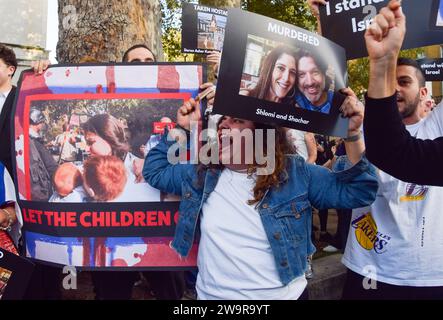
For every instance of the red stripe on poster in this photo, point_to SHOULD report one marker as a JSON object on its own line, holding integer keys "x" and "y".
{"x": 33, "y": 82}
{"x": 110, "y": 79}
{"x": 168, "y": 78}
{"x": 200, "y": 74}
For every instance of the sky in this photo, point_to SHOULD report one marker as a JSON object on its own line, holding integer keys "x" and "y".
{"x": 52, "y": 29}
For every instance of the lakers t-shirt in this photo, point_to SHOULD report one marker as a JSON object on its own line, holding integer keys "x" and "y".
{"x": 399, "y": 239}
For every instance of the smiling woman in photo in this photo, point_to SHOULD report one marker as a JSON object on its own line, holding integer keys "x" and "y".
{"x": 277, "y": 78}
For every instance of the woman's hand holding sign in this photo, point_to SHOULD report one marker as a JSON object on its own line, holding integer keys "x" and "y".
{"x": 353, "y": 109}
{"x": 190, "y": 111}
{"x": 208, "y": 92}
{"x": 214, "y": 59}
{"x": 314, "y": 6}
{"x": 384, "y": 39}
{"x": 40, "y": 66}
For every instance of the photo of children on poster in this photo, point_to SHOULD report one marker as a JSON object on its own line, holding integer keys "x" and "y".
{"x": 98, "y": 148}
{"x": 347, "y": 21}
{"x": 82, "y": 135}
{"x": 203, "y": 28}
{"x": 277, "y": 73}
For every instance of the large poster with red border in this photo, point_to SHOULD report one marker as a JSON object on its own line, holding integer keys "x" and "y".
{"x": 82, "y": 133}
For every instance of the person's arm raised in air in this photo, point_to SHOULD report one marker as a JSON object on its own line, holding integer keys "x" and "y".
{"x": 40, "y": 66}
{"x": 214, "y": 59}
{"x": 311, "y": 145}
{"x": 314, "y": 6}
{"x": 389, "y": 145}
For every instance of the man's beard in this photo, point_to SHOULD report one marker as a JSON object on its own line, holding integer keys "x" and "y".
{"x": 410, "y": 107}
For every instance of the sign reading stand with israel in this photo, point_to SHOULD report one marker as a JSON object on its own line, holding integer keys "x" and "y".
{"x": 432, "y": 68}
{"x": 81, "y": 136}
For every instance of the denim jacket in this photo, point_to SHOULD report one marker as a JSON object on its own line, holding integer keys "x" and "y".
{"x": 285, "y": 211}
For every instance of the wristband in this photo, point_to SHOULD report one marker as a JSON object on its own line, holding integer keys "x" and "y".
{"x": 353, "y": 138}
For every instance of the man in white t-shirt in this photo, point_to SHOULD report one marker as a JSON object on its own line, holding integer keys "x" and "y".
{"x": 395, "y": 246}
{"x": 426, "y": 107}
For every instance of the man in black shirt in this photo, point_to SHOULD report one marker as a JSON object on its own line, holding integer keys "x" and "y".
{"x": 388, "y": 144}
{"x": 8, "y": 65}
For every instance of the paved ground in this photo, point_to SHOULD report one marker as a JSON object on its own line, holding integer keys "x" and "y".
{"x": 332, "y": 229}
{"x": 85, "y": 290}
{"x": 329, "y": 278}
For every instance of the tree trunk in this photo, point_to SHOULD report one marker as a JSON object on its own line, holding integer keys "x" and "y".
{"x": 221, "y": 3}
{"x": 102, "y": 31}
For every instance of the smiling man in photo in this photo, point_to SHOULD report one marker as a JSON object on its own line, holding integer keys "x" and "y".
{"x": 313, "y": 84}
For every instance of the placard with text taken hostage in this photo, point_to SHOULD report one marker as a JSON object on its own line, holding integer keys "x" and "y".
{"x": 203, "y": 28}
{"x": 273, "y": 72}
{"x": 345, "y": 23}
{"x": 81, "y": 136}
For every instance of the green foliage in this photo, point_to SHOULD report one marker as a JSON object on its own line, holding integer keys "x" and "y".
{"x": 220, "y": 3}
{"x": 358, "y": 70}
{"x": 171, "y": 31}
{"x": 295, "y": 12}
{"x": 172, "y": 47}
{"x": 412, "y": 53}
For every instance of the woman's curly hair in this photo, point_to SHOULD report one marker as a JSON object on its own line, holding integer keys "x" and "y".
{"x": 282, "y": 148}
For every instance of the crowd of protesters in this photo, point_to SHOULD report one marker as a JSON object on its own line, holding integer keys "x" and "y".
{"x": 255, "y": 229}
